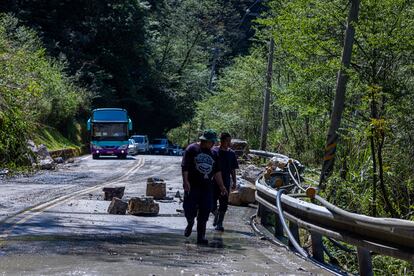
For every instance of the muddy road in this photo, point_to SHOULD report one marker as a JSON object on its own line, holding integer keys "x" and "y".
{"x": 55, "y": 223}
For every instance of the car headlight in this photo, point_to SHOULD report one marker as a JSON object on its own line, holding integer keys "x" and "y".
{"x": 96, "y": 147}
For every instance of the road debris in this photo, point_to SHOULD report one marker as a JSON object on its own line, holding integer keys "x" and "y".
{"x": 143, "y": 206}
{"x": 111, "y": 192}
{"x": 156, "y": 187}
{"x": 117, "y": 207}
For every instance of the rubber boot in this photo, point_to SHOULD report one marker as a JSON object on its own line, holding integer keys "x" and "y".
{"x": 189, "y": 228}
{"x": 201, "y": 233}
{"x": 219, "y": 226}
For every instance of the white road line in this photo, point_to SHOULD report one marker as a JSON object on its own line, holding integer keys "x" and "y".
{"x": 86, "y": 157}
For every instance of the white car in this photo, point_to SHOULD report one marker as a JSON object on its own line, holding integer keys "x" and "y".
{"x": 141, "y": 143}
{"x": 131, "y": 147}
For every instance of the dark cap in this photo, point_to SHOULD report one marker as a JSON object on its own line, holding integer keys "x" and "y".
{"x": 209, "y": 135}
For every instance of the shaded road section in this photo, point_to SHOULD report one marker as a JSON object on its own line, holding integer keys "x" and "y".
{"x": 75, "y": 235}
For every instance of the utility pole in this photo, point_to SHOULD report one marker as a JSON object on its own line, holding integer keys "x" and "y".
{"x": 342, "y": 79}
{"x": 265, "y": 115}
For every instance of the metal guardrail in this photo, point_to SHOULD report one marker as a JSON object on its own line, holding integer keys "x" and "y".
{"x": 385, "y": 236}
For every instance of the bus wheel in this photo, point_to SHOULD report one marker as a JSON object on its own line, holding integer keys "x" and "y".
{"x": 95, "y": 156}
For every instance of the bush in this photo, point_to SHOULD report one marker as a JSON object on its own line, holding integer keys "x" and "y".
{"x": 34, "y": 90}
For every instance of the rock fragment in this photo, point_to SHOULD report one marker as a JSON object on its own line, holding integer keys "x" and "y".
{"x": 117, "y": 207}
{"x": 251, "y": 173}
{"x": 156, "y": 187}
{"x": 143, "y": 206}
{"x": 111, "y": 192}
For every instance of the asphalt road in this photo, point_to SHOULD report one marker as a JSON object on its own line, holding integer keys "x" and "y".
{"x": 56, "y": 223}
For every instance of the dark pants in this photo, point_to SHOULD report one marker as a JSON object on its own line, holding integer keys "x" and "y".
{"x": 198, "y": 203}
{"x": 223, "y": 200}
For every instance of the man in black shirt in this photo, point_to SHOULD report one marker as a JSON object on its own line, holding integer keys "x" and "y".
{"x": 199, "y": 166}
{"x": 229, "y": 164}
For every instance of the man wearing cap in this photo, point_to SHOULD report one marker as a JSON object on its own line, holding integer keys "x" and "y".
{"x": 229, "y": 164}
{"x": 199, "y": 166}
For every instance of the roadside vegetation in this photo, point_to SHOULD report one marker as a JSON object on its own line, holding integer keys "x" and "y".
{"x": 183, "y": 66}
{"x": 34, "y": 91}
{"x": 373, "y": 172}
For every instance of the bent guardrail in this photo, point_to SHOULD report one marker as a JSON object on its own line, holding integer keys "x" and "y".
{"x": 385, "y": 236}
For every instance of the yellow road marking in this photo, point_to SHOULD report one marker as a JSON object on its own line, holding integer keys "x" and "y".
{"x": 28, "y": 214}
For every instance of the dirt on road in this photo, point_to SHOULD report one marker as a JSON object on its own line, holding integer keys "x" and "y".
{"x": 55, "y": 223}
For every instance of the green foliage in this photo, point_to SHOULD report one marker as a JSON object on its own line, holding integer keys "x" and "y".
{"x": 33, "y": 90}
{"x": 52, "y": 139}
{"x": 373, "y": 160}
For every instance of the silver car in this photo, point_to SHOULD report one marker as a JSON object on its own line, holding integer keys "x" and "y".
{"x": 141, "y": 143}
{"x": 132, "y": 149}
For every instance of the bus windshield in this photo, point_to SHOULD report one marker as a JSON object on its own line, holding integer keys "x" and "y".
{"x": 110, "y": 115}
{"x": 112, "y": 131}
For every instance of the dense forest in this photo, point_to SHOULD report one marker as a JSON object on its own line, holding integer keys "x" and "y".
{"x": 182, "y": 66}
{"x": 154, "y": 58}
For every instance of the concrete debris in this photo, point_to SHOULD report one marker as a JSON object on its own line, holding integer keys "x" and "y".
{"x": 156, "y": 187}
{"x": 111, "y": 192}
{"x": 117, "y": 207}
{"x": 144, "y": 206}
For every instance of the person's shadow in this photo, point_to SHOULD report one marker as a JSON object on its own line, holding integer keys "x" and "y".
{"x": 217, "y": 241}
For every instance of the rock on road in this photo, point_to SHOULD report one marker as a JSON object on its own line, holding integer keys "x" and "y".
{"x": 54, "y": 223}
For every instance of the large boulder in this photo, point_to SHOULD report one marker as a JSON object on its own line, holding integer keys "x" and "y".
{"x": 111, "y": 192}
{"x": 143, "y": 206}
{"x": 47, "y": 164}
{"x": 247, "y": 193}
{"x": 42, "y": 152}
{"x": 251, "y": 173}
{"x": 156, "y": 188}
{"x": 42, "y": 157}
{"x": 117, "y": 207}
{"x": 243, "y": 195}
{"x": 234, "y": 198}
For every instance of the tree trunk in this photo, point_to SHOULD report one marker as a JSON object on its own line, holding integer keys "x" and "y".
{"x": 381, "y": 178}
{"x": 332, "y": 138}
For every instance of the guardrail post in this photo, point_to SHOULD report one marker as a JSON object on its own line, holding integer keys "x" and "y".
{"x": 317, "y": 246}
{"x": 263, "y": 213}
{"x": 365, "y": 262}
{"x": 278, "y": 227}
{"x": 294, "y": 229}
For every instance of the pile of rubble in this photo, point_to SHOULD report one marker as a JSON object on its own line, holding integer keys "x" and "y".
{"x": 138, "y": 206}
{"x": 40, "y": 157}
{"x": 276, "y": 173}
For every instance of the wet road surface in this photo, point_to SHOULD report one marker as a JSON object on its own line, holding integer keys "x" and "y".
{"x": 56, "y": 223}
